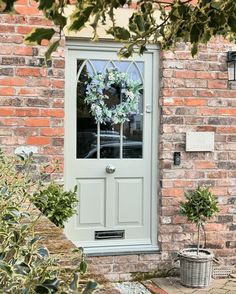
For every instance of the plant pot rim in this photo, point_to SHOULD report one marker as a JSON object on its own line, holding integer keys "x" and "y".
{"x": 204, "y": 254}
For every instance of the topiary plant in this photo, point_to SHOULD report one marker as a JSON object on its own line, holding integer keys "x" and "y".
{"x": 201, "y": 205}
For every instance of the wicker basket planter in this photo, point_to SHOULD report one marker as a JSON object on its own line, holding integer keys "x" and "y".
{"x": 195, "y": 270}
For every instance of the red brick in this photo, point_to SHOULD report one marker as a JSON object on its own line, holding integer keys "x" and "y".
{"x": 12, "y": 122}
{"x": 28, "y": 71}
{"x": 205, "y": 75}
{"x": 52, "y": 112}
{"x": 6, "y": 50}
{"x": 184, "y": 93}
{"x": 30, "y": 10}
{"x": 7, "y": 91}
{"x": 207, "y": 111}
{"x": 195, "y": 102}
{"x": 183, "y": 183}
{"x": 172, "y": 192}
{"x": 206, "y": 129}
{"x": 37, "y": 122}
{"x": 226, "y": 129}
{"x": 7, "y": 29}
{"x": 28, "y": 92}
{"x": 27, "y": 112}
{"x": 219, "y": 191}
{"x": 204, "y": 164}
{"x": 153, "y": 288}
{"x": 10, "y": 81}
{"x": 217, "y": 175}
{"x": 24, "y": 29}
{"x": 6, "y": 112}
{"x": 59, "y": 84}
{"x": 52, "y": 132}
{"x": 24, "y": 51}
{"x": 173, "y": 101}
{"x": 38, "y": 140}
{"x": 218, "y": 84}
{"x": 185, "y": 74}
{"x": 227, "y": 111}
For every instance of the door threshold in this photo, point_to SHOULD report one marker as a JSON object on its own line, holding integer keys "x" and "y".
{"x": 121, "y": 250}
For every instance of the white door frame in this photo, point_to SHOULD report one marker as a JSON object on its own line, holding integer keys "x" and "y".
{"x": 78, "y": 44}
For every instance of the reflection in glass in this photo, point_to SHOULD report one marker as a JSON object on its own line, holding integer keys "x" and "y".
{"x": 86, "y": 125}
{"x": 115, "y": 141}
{"x": 133, "y": 133}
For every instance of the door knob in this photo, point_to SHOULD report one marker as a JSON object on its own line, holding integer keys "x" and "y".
{"x": 110, "y": 169}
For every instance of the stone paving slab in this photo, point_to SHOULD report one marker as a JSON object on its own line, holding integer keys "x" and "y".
{"x": 171, "y": 285}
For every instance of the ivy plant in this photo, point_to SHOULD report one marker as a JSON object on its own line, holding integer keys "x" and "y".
{"x": 200, "y": 206}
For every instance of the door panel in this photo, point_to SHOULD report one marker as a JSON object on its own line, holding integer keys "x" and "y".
{"x": 91, "y": 208}
{"x": 109, "y": 202}
{"x": 129, "y": 195}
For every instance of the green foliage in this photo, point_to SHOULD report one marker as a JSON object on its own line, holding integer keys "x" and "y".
{"x": 39, "y": 34}
{"x": 200, "y": 206}
{"x": 58, "y": 205}
{"x": 176, "y": 21}
{"x": 25, "y": 264}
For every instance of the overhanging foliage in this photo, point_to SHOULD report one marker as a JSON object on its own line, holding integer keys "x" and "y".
{"x": 180, "y": 20}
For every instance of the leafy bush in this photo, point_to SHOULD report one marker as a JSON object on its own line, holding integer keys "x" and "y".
{"x": 200, "y": 206}
{"x": 26, "y": 266}
{"x": 57, "y": 204}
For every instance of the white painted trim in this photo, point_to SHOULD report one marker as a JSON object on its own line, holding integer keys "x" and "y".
{"x": 152, "y": 246}
{"x": 118, "y": 250}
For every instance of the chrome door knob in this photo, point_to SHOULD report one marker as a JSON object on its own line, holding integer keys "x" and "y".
{"x": 110, "y": 169}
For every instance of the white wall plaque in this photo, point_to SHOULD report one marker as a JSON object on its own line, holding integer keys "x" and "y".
{"x": 200, "y": 141}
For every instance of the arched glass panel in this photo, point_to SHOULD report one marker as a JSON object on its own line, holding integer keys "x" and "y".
{"x": 106, "y": 140}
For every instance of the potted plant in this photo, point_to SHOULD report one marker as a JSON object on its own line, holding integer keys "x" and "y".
{"x": 196, "y": 263}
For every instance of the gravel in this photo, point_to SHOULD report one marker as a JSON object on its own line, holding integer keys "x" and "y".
{"x": 131, "y": 288}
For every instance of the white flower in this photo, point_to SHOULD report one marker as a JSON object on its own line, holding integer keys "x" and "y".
{"x": 111, "y": 76}
{"x": 130, "y": 94}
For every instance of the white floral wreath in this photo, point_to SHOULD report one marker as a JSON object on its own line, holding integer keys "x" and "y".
{"x": 129, "y": 93}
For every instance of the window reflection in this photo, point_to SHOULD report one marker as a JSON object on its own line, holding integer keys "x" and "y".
{"x": 116, "y": 141}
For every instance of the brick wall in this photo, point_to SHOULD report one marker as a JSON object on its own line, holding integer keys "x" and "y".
{"x": 31, "y": 95}
{"x": 195, "y": 96}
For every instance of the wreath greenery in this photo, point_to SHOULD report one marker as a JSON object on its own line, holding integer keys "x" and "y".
{"x": 96, "y": 95}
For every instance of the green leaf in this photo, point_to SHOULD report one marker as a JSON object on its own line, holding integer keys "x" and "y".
{"x": 5, "y": 268}
{"x": 194, "y": 34}
{"x": 232, "y": 22}
{"x": 139, "y": 22}
{"x": 7, "y": 5}
{"x": 83, "y": 267}
{"x": 194, "y": 49}
{"x": 119, "y": 33}
{"x": 90, "y": 287}
{"x": 43, "y": 252}
{"x": 79, "y": 18}
{"x": 53, "y": 47}
{"x": 45, "y": 4}
{"x": 51, "y": 284}
{"x": 39, "y": 34}
{"x": 75, "y": 282}
{"x": 42, "y": 290}
{"x": 22, "y": 269}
